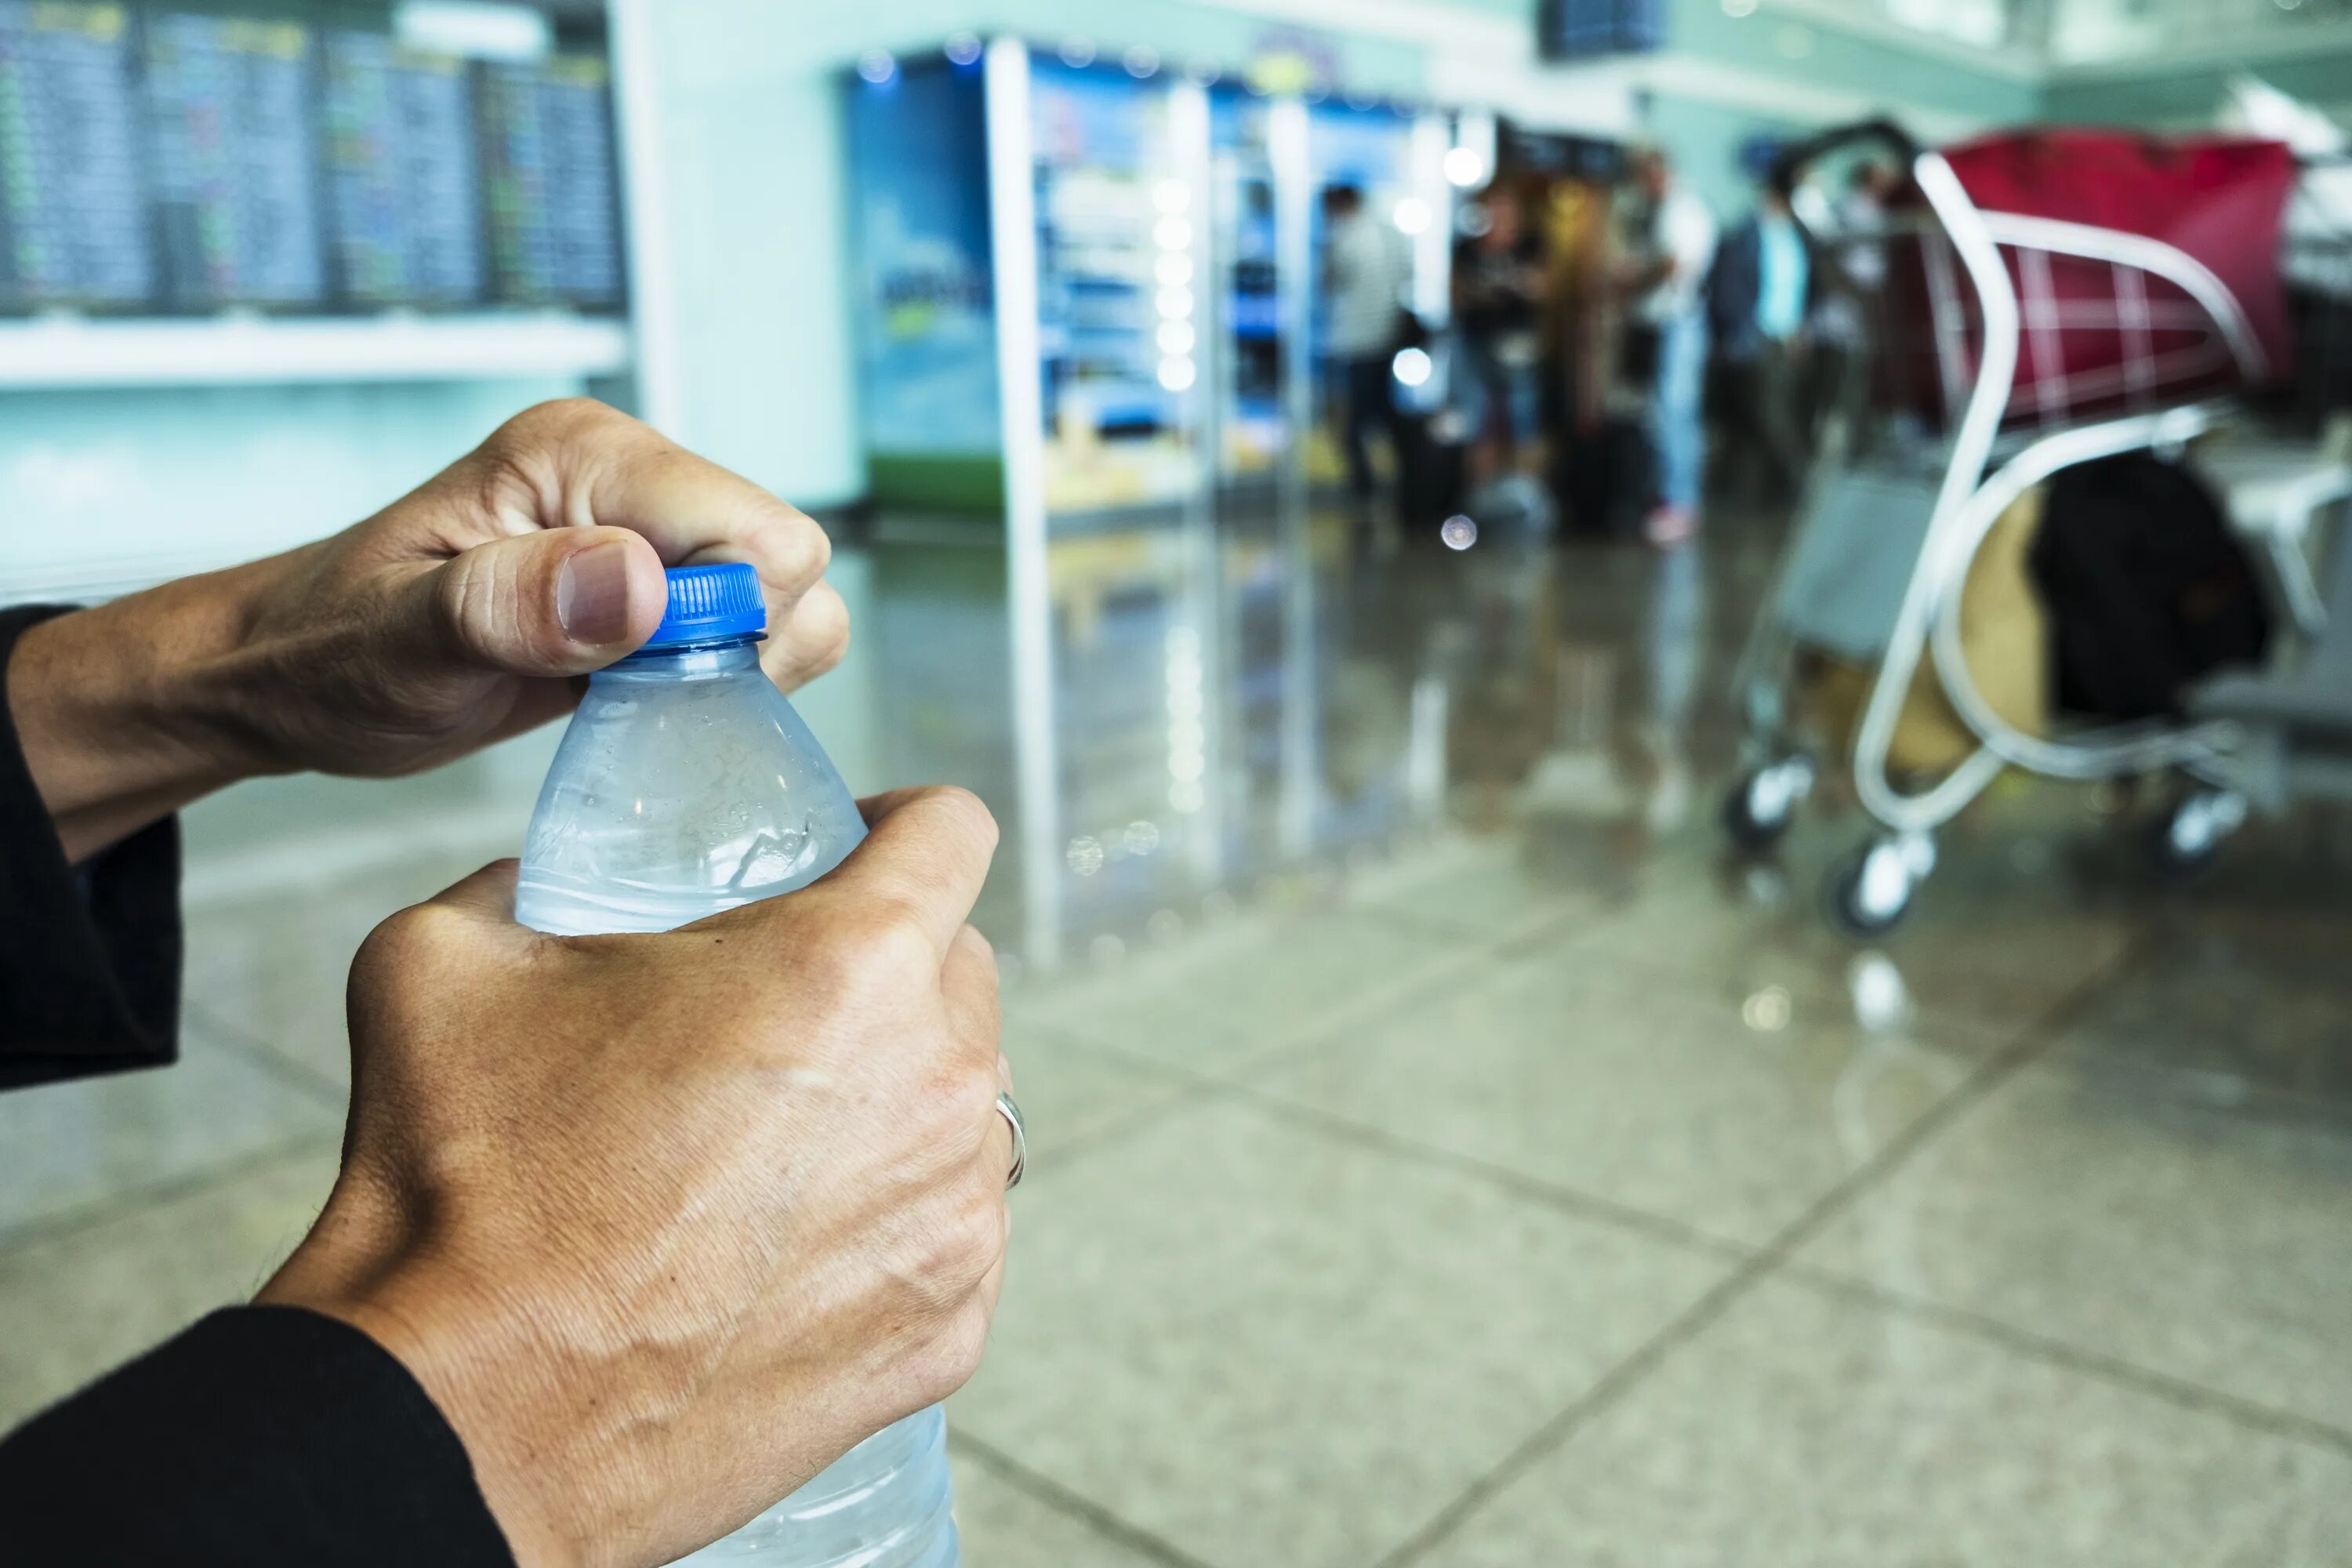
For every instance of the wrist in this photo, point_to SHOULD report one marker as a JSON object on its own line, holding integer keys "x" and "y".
{"x": 127, "y": 711}
{"x": 473, "y": 1374}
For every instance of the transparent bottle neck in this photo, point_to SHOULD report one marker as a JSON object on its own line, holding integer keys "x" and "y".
{"x": 688, "y": 661}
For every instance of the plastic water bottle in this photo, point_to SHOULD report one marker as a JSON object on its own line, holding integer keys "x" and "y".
{"x": 686, "y": 786}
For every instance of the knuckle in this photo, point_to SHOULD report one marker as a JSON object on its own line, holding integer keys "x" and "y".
{"x": 522, "y": 446}
{"x": 820, "y": 626}
{"x": 401, "y": 944}
{"x": 874, "y": 949}
{"x": 562, "y": 417}
{"x": 977, "y": 946}
{"x": 956, "y": 1353}
{"x": 462, "y": 588}
{"x": 895, "y": 939}
{"x": 966, "y": 1248}
{"x": 800, "y": 548}
{"x": 940, "y": 1371}
{"x": 469, "y": 593}
{"x": 966, "y": 1095}
{"x": 970, "y": 814}
{"x": 816, "y": 638}
{"x": 395, "y": 936}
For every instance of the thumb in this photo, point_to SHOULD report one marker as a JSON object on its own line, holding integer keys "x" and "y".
{"x": 554, "y": 602}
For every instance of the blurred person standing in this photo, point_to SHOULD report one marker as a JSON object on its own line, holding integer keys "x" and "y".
{"x": 1499, "y": 284}
{"x": 1669, "y": 248}
{"x": 1365, "y": 276}
{"x": 1847, "y": 306}
{"x": 1759, "y": 297}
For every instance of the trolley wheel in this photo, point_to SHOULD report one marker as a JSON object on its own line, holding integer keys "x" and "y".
{"x": 1761, "y": 802}
{"x": 2185, "y": 839}
{"x": 1870, "y": 891}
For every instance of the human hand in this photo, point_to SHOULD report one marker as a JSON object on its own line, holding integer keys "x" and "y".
{"x": 456, "y": 616}
{"x": 665, "y": 1224}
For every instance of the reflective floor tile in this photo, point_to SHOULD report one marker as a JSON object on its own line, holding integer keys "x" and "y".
{"x": 1252, "y": 984}
{"x": 69, "y": 1147}
{"x": 1487, "y": 884}
{"x": 1006, "y": 1527}
{"x": 1803, "y": 1431}
{"x": 2008, "y": 927}
{"x": 79, "y": 1302}
{"x": 1646, "y": 1092}
{"x": 273, "y": 967}
{"x": 1072, "y": 1091}
{"x": 1267, "y": 1346}
{"x": 2237, "y": 1010}
{"x": 2202, "y": 1244}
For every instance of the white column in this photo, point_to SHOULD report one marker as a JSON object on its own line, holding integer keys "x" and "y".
{"x": 1029, "y": 602}
{"x": 645, "y": 184}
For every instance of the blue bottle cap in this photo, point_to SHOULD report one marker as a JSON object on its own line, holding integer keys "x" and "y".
{"x": 707, "y": 603}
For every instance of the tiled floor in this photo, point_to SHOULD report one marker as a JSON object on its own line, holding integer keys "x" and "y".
{"x": 1478, "y": 1207}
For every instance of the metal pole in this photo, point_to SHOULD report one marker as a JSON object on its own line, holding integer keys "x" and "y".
{"x": 1195, "y": 727}
{"x": 1013, "y": 253}
{"x": 1294, "y": 283}
{"x": 653, "y": 273}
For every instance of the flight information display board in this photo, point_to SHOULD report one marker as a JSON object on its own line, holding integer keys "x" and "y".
{"x": 73, "y": 212}
{"x": 403, "y": 192}
{"x": 1593, "y": 29}
{"x": 235, "y": 164}
{"x": 554, "y": 196}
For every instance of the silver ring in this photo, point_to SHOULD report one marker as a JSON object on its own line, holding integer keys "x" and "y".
{"x": 1007, "y": 1109}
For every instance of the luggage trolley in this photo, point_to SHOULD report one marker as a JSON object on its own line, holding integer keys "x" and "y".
{"x": 2051, "y": 298}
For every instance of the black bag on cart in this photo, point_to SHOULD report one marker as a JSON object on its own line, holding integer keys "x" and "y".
{"x": 2146, "y": 587}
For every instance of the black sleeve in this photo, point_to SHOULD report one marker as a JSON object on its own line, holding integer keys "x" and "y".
{"x": 89, "y": 955}
{"x": 262, "y": 1437}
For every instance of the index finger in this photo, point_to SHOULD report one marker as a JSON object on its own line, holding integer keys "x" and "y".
{"x": 618, "y": 472}
{"x": 695, "y": 512}
{"x": 927, "y": 851}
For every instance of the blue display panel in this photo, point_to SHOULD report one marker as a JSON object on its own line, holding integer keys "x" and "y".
{"x": 1094, "y": 225}
{"x": 234, "y": 170}
{"x": 553, "y": 191}
{"x": 1248, "y": 309}
{"x": 1114, "y": 226}
{"x": 924, "y": 282}
{"x": 73, "y": 212}
{"x": 404, "y": 199}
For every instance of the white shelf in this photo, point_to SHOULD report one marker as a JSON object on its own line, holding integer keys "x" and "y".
{"x": 240, "y": 351}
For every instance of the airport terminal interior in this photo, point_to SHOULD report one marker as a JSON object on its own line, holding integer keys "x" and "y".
{"x": 1557, "y": 1023}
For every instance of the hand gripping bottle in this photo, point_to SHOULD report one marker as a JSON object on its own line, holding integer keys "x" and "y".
{"x": 686, "y": 786}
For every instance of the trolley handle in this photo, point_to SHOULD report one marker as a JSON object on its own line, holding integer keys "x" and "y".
{"x": 1789, "y": 166}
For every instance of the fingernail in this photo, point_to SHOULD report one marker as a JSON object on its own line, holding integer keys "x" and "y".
{"x": 592, "y": 594}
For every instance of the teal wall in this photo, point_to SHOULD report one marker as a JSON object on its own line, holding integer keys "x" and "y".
{"x": 110, "y": 489}
{"x": 1887, "y": 75}
{"x": 2185, "y": 96}
{"x": 1844, "y": 76}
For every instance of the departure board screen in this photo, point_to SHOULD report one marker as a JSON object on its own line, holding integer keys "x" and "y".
{"x": 234, "y": 163}
{"x": 402, "y": 171}
{"x": 73, "y": 213}
{"x": 552, "y": 197}
{"x": 1593, "y": 29}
